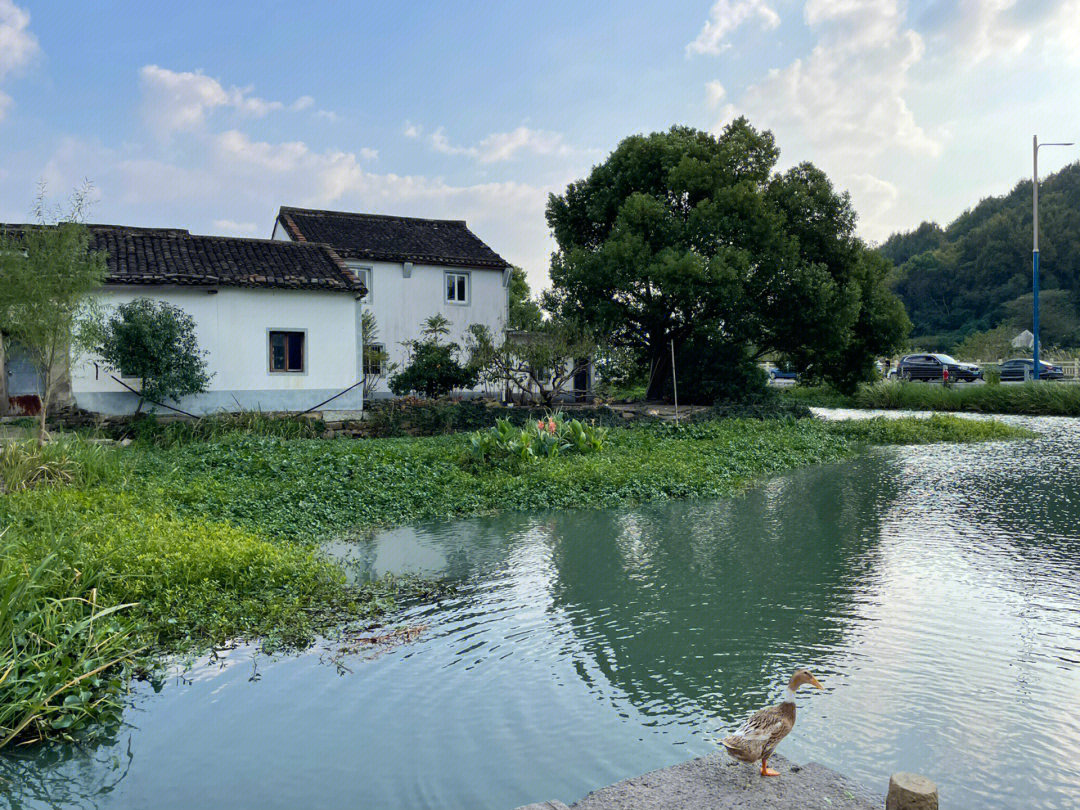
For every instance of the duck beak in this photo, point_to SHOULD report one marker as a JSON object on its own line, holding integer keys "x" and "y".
{"x": 814, "y": 683}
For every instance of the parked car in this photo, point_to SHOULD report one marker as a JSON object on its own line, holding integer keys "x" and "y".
{"x": 928, "y": 367}
{"x": 1021, "y": 368}
{"x": 780, "y": 374}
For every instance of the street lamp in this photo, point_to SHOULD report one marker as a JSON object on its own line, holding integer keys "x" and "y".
{"x": 1035, "y": 249}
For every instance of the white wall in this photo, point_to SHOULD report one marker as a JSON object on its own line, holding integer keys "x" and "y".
{"x": 232, "y": 325}
{"x": 401, "y": 303}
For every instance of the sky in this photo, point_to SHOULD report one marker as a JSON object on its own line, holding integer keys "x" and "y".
{"x": 209, "y": 116}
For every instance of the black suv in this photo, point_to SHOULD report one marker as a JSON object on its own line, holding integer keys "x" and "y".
{"x": 928, "y": 367}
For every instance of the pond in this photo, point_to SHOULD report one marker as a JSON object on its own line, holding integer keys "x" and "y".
{"x": 933, "y": 590}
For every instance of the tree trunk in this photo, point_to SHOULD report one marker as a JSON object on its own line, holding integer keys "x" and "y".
{"x": 4, "y": 405}
{"x": 660, "y": 363}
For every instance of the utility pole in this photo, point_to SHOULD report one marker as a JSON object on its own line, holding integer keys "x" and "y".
{"x": 1035, "y": 249}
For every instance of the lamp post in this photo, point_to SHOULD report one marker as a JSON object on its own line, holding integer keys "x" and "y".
{"x": 1035, "y": 249}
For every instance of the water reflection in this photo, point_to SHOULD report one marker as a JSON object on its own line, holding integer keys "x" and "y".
{"x": 697, "y": 612}
{"x": 932, "y": 589}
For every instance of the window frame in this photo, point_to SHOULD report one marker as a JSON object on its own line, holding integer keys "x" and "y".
{"x": 447, "y": 274}
{"x": 382, "y": 366}
{"x": 365, "y": 272}
{"x": 270, "y": 332}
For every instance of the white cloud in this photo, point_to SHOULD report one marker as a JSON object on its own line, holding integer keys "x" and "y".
{"x": 228, "y": 227}
{"x": 440, "y": 143}
{"x": 18, "y": 46}
{"x": 847, "y": 98}
{"x": 238, "y": 182}
{"x": 724, "y": 17}
{"x": 181, "y": 101}
{"x": 502, "y": 146}
{"x": 411, "y": 130}
{"x": 714, "y": 93}
{"x": 505, "y": 145}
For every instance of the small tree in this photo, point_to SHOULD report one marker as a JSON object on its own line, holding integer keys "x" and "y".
{"x": 376, "y": 365}
{"x": 47, "y": 274}
{"x": 538, "y": 363}
{"x": 155, "y": 341}
{"x": 433, "y": 368}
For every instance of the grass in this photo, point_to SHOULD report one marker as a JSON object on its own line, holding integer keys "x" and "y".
{"x": 1034, "y": 399}
{"x": 172, "y": 546}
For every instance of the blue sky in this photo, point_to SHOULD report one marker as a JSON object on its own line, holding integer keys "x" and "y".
{"x": 211, "y": 115}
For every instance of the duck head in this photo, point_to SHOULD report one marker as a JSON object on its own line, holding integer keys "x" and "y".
{"x": 800, "y": 677}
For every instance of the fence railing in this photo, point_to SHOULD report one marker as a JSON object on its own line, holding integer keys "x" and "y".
{"x": 1069, "y": 368}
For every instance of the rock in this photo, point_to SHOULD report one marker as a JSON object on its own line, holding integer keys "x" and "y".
{"x": 909, "y": 791}
{"x": 717, "y": 782}
{"x": 328, "y": 434}
{"x": 125, "y": 442}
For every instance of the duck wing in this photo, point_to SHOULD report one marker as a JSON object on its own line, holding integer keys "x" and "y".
{"x": 760, "y": 733}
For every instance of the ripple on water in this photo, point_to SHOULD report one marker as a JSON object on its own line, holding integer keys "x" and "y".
{"x": 931, "y": 589}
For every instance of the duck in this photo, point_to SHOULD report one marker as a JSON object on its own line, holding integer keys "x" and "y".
{"x": 758, "y": 737}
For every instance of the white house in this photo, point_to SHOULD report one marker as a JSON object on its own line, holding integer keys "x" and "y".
{"x": 412, "y": 268}
{"x": 280, "y": 322}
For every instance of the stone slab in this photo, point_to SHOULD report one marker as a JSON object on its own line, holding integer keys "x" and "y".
{"x": 717, "y": 782}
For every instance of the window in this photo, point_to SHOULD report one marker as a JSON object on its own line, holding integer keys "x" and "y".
{"x": 286, "y": 351}
{"x": 374, "y": 360}
{"x": 363, "y": 272}
{"x": 457, "y": 288}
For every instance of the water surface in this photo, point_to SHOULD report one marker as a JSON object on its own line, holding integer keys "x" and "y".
{"x": 933, "y": 590}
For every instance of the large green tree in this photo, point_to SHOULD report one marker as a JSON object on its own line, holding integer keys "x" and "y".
{"x": 682, "y": 238}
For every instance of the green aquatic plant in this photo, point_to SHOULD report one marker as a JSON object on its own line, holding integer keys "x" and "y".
{"x": 176, "y": 547}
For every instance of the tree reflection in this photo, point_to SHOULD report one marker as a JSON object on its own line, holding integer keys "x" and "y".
{"x": 692, "y": 606}
{"x": 64, "y": 776}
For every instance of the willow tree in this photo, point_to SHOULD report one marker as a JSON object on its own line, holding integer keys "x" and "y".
{"x": 48, "y": 271}
{"x": 685, "y": 239}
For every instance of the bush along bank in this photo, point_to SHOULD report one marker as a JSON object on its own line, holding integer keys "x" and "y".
{"x": 1045, "y": 398}
{"x": 159, "y": 548}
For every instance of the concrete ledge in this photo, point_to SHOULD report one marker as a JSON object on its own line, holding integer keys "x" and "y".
{"x": 717, "y": 782}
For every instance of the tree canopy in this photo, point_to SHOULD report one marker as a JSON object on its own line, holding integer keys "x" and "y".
{"x": 156, "y": 342}
{"x": 688, "y": 239}
{"x": 973, "y": 274}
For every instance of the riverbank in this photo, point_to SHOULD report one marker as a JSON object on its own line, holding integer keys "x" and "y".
{"x": 717, "y": 782}
{"x": 122, "y": 554}
{"x": 1046, "y": 398}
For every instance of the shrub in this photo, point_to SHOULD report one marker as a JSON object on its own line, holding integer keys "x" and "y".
{"x": 433, "y": 371}
{"x": 546, "y": 438}
{"x": 155, "y": 341}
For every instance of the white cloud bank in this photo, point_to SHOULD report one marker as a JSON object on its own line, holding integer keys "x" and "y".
{"x": 18, "y": 47}
{"x": 499, "y": 147}
{"x": 880, "y": 99}
{"x": 224, "y": 180}
{"x": 182, "y": 101}
{"x": 724, "y": 17}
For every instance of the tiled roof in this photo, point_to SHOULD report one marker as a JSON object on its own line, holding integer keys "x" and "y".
{"x": 395, "y": 239}
{"x": 174, "y": 256}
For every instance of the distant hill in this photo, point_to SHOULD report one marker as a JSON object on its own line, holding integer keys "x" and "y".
{"x": 974, "y": 274}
